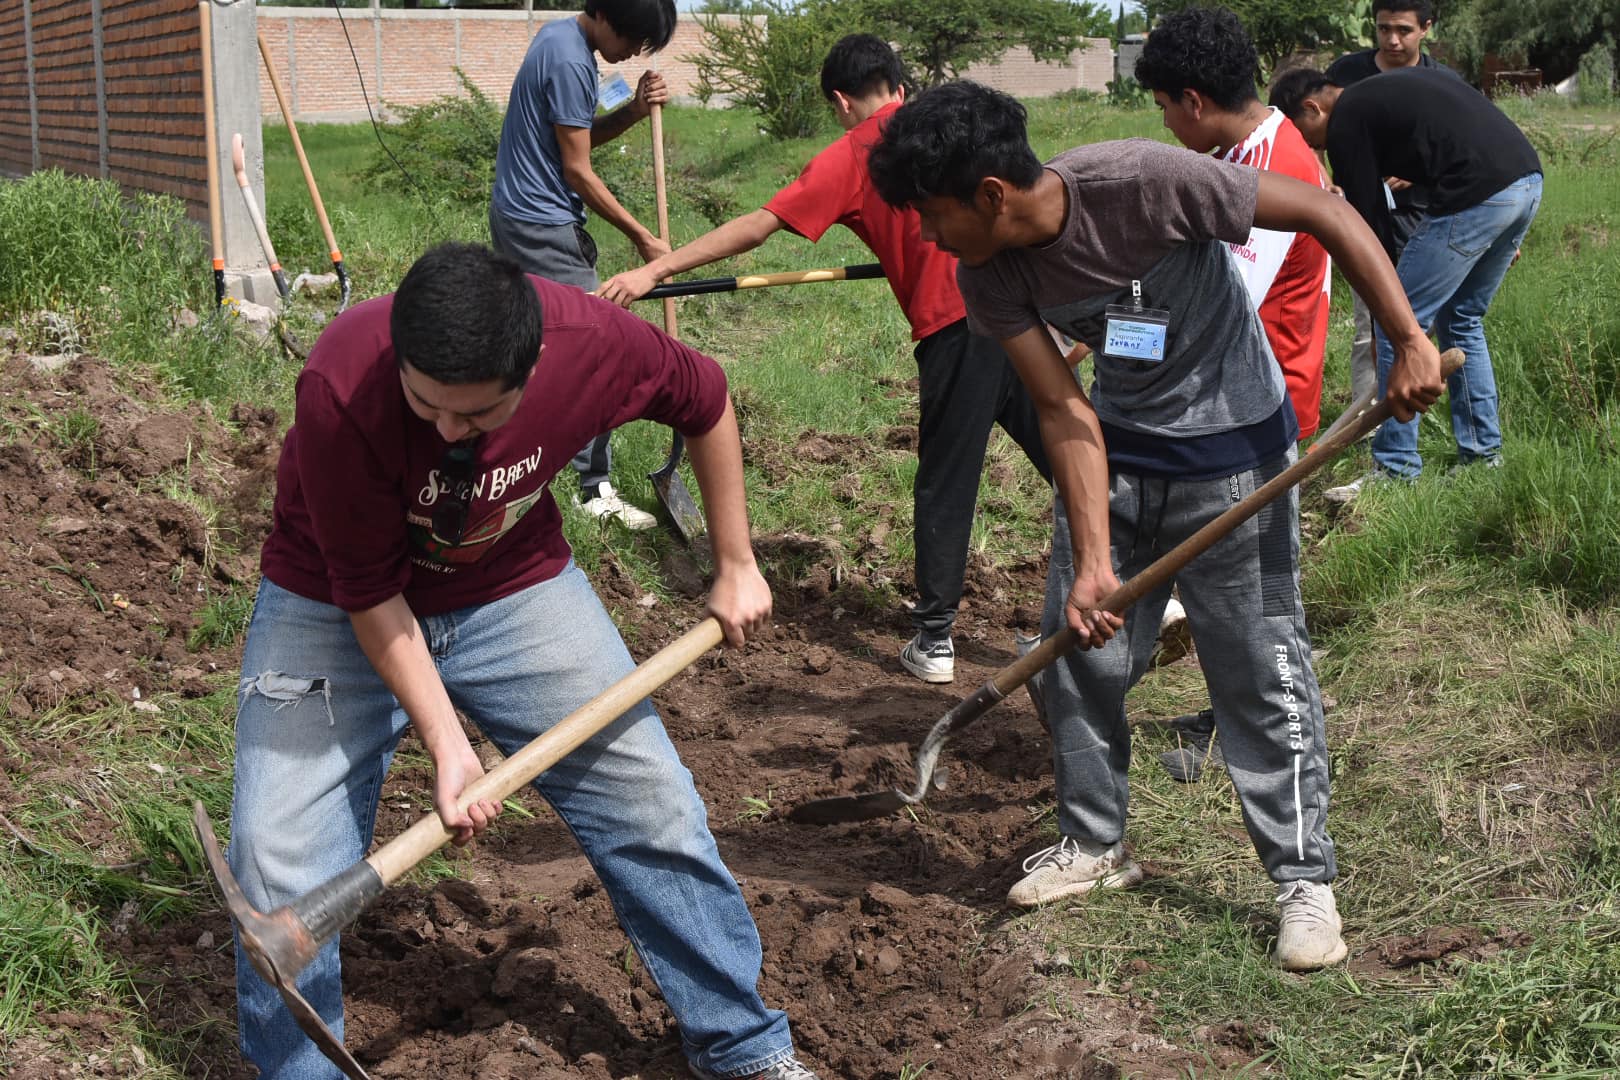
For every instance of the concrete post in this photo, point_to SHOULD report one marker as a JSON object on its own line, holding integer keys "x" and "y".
{"x": 236, "y": 111}
{"x": 33, "y": 93}
{"x": 101, "y": 85}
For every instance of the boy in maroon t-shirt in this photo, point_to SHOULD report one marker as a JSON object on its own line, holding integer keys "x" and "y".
{"x": 417, "y": 568}
{"x": 965, "y": 384}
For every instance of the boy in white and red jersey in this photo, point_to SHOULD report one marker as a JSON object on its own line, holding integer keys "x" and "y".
{"x": 1200, "y": 66}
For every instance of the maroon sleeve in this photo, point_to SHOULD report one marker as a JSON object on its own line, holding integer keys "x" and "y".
{"x": 826, "y": 191}
{"x": 627, "y": 369}
{"x": 352, "y": 500}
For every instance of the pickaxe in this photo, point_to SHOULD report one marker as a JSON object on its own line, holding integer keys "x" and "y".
{"x": 281, "y": 944}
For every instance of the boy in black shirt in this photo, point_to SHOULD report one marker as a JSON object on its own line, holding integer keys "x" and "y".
{"x": 1484, "y": 183}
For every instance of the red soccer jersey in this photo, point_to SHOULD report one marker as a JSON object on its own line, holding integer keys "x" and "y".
{"x": 1287, "y": 273}
{"x": 834, "y": 189}
{"x": 361, "y": 474}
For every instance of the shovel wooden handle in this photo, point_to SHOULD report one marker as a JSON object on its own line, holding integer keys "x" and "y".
{"x": 410, "y": 847}
{"x": 700, "y": 286}
{"x": 657, "y": 118}
{"x": 1342, "y": 434}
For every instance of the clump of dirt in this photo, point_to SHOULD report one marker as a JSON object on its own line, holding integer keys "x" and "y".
{"x": 118, "y": 521}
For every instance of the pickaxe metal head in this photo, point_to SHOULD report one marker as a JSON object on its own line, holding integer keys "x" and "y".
{"x": 282, "y": 943}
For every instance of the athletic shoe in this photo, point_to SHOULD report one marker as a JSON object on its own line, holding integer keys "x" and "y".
{"x": 1308, "y": 928}
{"x": 1175, "y": 636}
{"x": 608, "y": 504}
{"x": 1492, "y": 462}
{"x": 1346, "y": 493}
{"x": 782, "y": 1070}
{"x": 1198, "y": 748}
{"x": 1067, "y": 869}
{"x": 930, "y": 661}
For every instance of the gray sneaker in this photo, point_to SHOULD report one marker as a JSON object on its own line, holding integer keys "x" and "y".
{"x": 1198, "y": 748}
{"x": 1068, "y": 869}
{"x": 782, "y": 1070}
{"x": 1308, "y": 927}
{"x": 930, "y": 661}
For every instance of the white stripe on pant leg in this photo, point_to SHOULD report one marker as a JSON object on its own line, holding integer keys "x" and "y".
{"x": 1299, "y": 813}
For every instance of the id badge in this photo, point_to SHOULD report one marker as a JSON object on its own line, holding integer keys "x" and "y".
{"x": 612, "y": 92}
{"x": 1134, "y": 332}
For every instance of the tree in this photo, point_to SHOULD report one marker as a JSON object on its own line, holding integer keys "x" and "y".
{"x": 1552, "y": 35}
{"x": 938, "y": 39}
{"x": 772, "y": 64}
{"x": 1281, "y": 28}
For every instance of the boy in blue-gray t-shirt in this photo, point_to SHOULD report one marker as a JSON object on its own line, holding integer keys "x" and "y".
{"x": 1122, "y": 246}
{"x": 544, "y": 181}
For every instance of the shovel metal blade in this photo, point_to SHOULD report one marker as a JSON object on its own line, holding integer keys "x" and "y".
{"x": 845, "y": 808}
{"x": 265, "y": 938}
{"x": 674, "y": 497}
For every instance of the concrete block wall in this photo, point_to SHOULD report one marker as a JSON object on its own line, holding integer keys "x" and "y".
{"x": 1017, "y": 72}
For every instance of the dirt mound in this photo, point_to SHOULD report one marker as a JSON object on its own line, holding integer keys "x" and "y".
{"x": 118, "y": 522}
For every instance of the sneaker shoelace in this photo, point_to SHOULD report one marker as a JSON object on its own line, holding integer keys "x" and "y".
{"x": 1061, "y": 854}
{"x": 1302, "y": 902}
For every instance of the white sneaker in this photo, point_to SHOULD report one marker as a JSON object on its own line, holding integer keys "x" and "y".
{"x": 1308, "y": 927}
{"x": 1346, "y": 493}
{"x": 932, "y": 663}
{"x": 1175, "y": 636}
{"x": 608, "y": 504}
{"x": 1067, "y": 869}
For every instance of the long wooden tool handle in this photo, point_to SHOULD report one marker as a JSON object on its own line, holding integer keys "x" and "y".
{"x": 216, "y": 220}
{"x": 699, "y": 286}
{"x": 298, "y": 148}
{"x": 657, "y": 117}
{"x": 1168, "y": 565}
{"x": 396, "y": 859}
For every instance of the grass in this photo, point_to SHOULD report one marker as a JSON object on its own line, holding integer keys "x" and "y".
{"x": 1466, "y": 627}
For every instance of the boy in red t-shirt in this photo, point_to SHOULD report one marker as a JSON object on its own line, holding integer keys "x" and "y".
{"x": 1200, "y": 65}
{"x": 965, "y": 383}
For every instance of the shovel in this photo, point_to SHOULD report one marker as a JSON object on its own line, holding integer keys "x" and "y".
{"x": 671, "y": 490}
{"x": 881, "y": 803}
{"x": 703, "y": 286}
{"x": 281, "y": 944}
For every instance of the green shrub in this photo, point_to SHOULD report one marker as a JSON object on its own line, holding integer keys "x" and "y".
{"x": 773, "y": 65}
{"x": 441, "y": 150}
{"x": 1596, "y": 75}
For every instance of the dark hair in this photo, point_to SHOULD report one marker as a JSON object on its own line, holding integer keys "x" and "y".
{"x": 465, "y": 314}
{"x": 1423, "y": 9}
{"x": 861, "y": 64}
{"x": 1290, "y": 89}
{"x": 948, "y": 139}
{"x": 1202, "y": 49}
{"x": 651, "y": 22}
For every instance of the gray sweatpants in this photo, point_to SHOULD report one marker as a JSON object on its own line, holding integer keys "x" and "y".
{"x": 1244, "y": 610}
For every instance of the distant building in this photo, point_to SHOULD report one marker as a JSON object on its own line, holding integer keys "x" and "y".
{"x": 1130, "y": 47}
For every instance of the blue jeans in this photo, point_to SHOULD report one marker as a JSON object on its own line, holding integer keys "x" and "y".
{"x": 316, "y": 729}
{"x": 1451, "y": 269}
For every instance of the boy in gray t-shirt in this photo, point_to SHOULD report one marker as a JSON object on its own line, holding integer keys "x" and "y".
{"x": 1122, "y": 246}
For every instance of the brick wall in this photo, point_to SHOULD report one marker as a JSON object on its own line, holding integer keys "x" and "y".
{"x": 1017, "y": 72}
{"x": 419, "y": 51}
{"x": 118, "y": 96}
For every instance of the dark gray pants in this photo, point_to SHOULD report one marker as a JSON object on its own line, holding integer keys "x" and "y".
{"x": 567, "y": 254}
{"x": 1244, "y": 610}
{"x": 965, "y": 385}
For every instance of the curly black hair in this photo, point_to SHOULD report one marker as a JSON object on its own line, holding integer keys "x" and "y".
{"x": 1290, "y": 89}
{"x": 1202, "y": 49}
{"x": 948, "y": 139}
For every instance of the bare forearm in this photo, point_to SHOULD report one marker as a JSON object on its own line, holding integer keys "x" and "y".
{"x": 602, "y": 203}
{"x": 733, "y": 238}
{"x": 717, "y": 464}
{"x": 392, "y": 640}
{"x": 1074, "y": 445}
{"x": 607, "y": 128}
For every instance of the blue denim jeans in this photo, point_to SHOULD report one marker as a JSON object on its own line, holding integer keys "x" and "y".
{"x": 1451, "y": 269}
{"x": 316, "y": 729}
